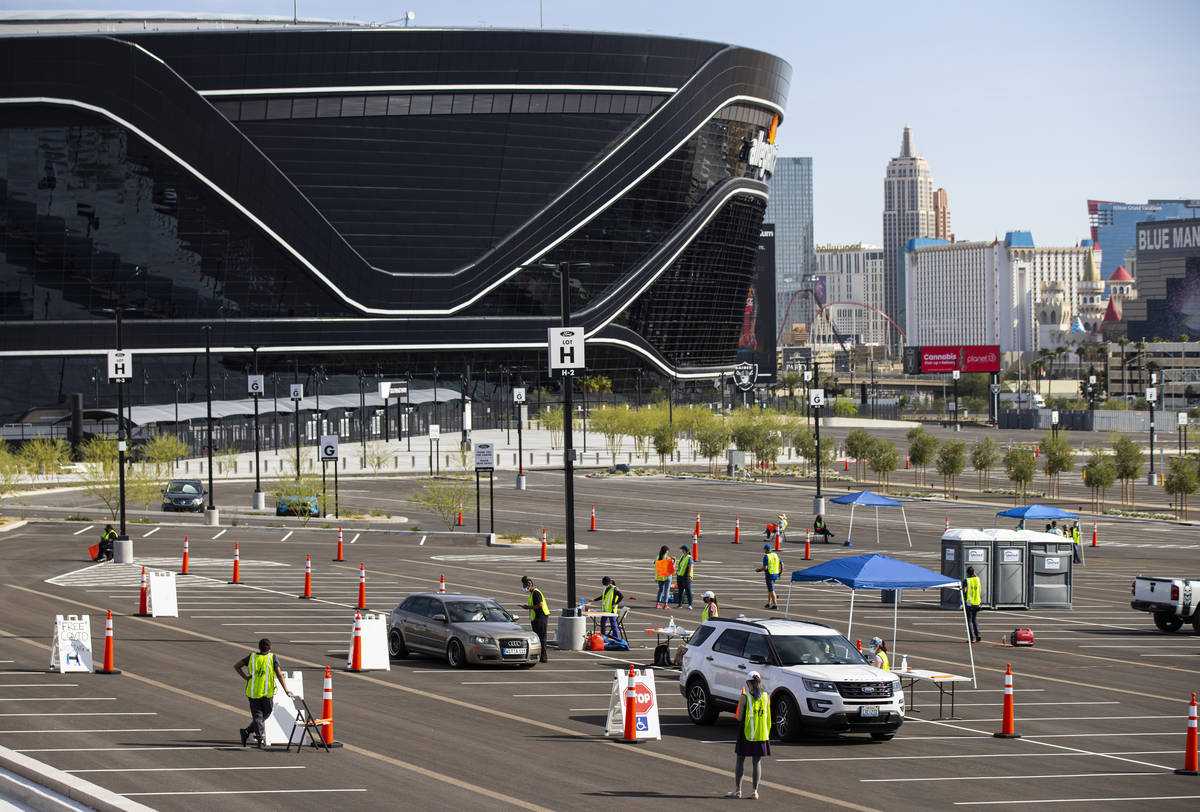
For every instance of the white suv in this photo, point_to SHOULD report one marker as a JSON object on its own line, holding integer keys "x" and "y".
{"x": 816, "y": 678}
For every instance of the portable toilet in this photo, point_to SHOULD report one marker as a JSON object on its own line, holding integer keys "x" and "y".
{"x": 962, "y": 548}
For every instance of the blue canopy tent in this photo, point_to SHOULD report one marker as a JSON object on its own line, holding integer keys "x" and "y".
{"x": 869, "y": 499}
{"x": 1037, "y": 512}
{"x": 878, "y": 572}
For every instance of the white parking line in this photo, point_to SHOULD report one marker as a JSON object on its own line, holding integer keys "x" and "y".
{"x": 114, "y": 730}
{"x": 152, "y": 532}
{"x": 240, "y": 792}
{"x": 130, "y": 748}
{"x": 218, "y": 535}
{"x": 576, "y": 696}
{"x": 57, "y": 699}
{"x": 90, "y": 713}
{"x": 356, "y": 535}
{"x": 176, "y": 769}
{"x": 981, "y": 755}
{"x": 287, "y": 535}
{"x": 1003, "y": 777}
{"x": 84, "y": 530}
{"x": 1080, "y": 800}
{"x": 38, "y": 685}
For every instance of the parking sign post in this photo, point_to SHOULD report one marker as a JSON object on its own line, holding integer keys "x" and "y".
{"x": 329, "y": 451}
{"x": 254, "y": 385}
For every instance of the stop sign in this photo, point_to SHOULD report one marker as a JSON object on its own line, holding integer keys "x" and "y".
{"x": 642, "y": 697}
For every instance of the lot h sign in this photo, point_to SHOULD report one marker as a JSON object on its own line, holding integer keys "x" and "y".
{"x": 566, "y": 350}
{"x": 120, "y": 365}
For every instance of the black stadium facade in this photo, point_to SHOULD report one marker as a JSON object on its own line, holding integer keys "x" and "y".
{"x": 378, "y": 199}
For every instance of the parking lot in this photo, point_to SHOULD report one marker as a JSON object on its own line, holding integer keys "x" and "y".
{"x": 1101, "y": 700}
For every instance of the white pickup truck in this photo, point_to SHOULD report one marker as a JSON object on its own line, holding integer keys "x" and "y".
{"x": 1173, "y": 601}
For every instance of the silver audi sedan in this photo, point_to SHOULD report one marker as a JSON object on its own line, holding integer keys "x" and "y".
{"x": 462, "y": 628}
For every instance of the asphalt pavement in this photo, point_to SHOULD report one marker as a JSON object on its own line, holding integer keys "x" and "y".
{"x": 1101, "y": 698}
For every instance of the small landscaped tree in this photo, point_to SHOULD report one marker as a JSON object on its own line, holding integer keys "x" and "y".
{"x": 713, "y": 440}
{"x": 984, "y": 455}
{"x": 1129, "y": 458}
{"x": 883, "y": 459}
{"x": 1181, "y": 482}
{"x": 858, "y": 444}
{"x": 951, "y": 460}
{"x": 1100, "y": 473}
{"x": 922, "y": 447}
{"x": 1022, "y": 467}
{"x": 1058, "y": 459}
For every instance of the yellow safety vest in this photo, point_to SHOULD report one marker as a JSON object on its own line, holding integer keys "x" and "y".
{"x": 974, "y": 591}
{"x": 262, "y": 676}
{"x": 783, "y": 524}
{"x": 757, "y": 725}
{"x": 882, "y": 655}
{"x": 111, "y": 535}
{"x": 540, "y": 602}
{"x": 773, "y": 565}
{"x": 710, "y": 610}
{"x": 1075, "y": 535}
{"x": 683, "y": 566}
{"x": 608, "y": 599}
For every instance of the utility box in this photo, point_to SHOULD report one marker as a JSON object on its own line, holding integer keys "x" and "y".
{"x": 1050, "y": 571}
{"x": 1009, "y": 577}
{"x": 737, "y": 461}
{"x": 962, "y": 548}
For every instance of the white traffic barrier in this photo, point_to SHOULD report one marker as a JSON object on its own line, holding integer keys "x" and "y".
{"x": 72, "y": 646}
{"x": 646, "y": 726}
{"x": 161, "y": 598}
{"x": 374, "y": 643}
{"x": 279, "y": 725}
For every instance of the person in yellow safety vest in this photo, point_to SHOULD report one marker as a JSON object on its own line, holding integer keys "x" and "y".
{"x": 106, "y": 544}
{"x": 711, "y": 609}
{"x": 754, "y": 734}
{"x": 1077, "y": 547}
{"x": 972, "y": 590}
{"x": 539, "y": 612}
{"x": 771, "y": 567}
{"x": 260, "y": 688}
{"x": 821, "y": 529}
{"x": 610, "y": 601}
{"x": 662, "y": 576}
{"x": 782, "y": 527}
{"x": 879, "y": 649}
{"x": 683, "y": 577}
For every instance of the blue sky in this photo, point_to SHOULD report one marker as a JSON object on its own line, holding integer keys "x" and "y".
{"x": 1024, "y": 110}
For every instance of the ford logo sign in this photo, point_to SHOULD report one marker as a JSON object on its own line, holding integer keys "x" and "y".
{"x": 566, "y": 332}
{"x": 868, "y": 689}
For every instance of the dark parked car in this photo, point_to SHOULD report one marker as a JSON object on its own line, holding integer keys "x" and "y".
{"x": 184, "y": 494}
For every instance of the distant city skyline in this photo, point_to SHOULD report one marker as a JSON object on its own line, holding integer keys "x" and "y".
{"x": 1025, "y": 114}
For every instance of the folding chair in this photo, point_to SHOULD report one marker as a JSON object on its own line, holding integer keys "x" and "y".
{"x": 622, "y": 611}
{"x": 308, "y": 726}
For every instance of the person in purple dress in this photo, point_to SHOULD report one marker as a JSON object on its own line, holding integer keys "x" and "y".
{"x": 754, "y": 713}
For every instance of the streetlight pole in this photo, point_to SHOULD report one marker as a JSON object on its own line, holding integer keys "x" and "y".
{"x": 121, "y": 436}
{"x": 259, "y": 500}
{"x": 1151, "y": 397}
{"x": 956, "y": 374}
{"x": 408, "y": 410}
{"x": 519, "y": 406}
{"x": 211, "y": 515}
{"x": 570, "y": 610}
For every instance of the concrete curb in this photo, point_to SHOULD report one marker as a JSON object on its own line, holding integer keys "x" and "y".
{"x": 77, "y": 789}
{"x": 14, "y": 525}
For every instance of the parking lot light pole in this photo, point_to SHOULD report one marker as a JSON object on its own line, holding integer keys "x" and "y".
{"x": 211, "y": 515}
{"x": 122, "y": 434}
{"x": 259, "y": 501}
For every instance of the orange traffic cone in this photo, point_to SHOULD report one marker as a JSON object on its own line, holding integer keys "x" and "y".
{"x": 184, "y": 569}
{"x": 142, "y": 603}
{"x": 846, "y": 462}
{"x": 339, "y": 555}
{"x": 906, "y": 463}
{"x": 109, "y": 656}
{"x": 858, "y": 644}
{"x": 1095, "y": 534}
{"x": 1008, "y": 724}
{"x": 630, "y": 708}
{"x": 307, "y": 578}
{"x": 697, "y": 523}
{"x": 1191, "y": 759}
{"x": 356, "y": 649}
{"x": 737, "y": 529}
{"x": 778, "y": 541}
{"x": 460, "y": 524}
{"x": 327, "y": 711}
{"x": 237, "y": 565}
{"x": 362, "y": 586}
{"x": 593, "y": 527}
{"x": 543, "y": 558}
{"x": 947, "y": 522}
{"x": 808, "y": 545}
{"x": 696, "y": 549}
{"x": 442, "y": 584}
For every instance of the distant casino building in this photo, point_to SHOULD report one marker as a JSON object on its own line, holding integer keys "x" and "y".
{"x": 1168, "y": 282}
{"x": 369, "y": 199}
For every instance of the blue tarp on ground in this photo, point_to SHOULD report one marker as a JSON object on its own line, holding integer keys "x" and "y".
{"x": 1037, "y": 512}
{"x": 868, "y": 498}
{"x": 875, "y": 572}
